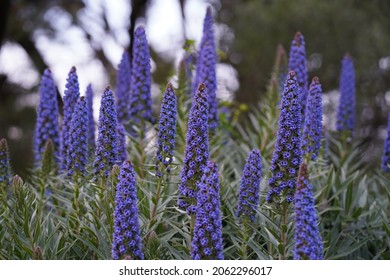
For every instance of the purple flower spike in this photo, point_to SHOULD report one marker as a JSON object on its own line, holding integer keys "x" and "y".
{"x": 140, "y": 87}
{"x": 297, "y": 63}
{"x": 72, "y": 94}
{"x": 123, "y": 89}
{"x": 207, "y": 240}
{"x": 126, "y": 241}
{"x": 5, "y": 167}
{"x": 308, "y": 242}
{"x": 386, "y": 149}
{"x": 205, "y": 68}
{"x": 196, "y": 153}
{"x": 167, "y": 131}
{"x": 106, "y": 149}
{"x": 346, "y": 109}
{"x": 77, "y": 157}
{"x": 312, "y": 129}
{"x": 287, "y": 154}
{"x": 122, "y": 151}
{"x": 91, "y": 121}
{"x": 47, "y": 125}
{"x": 249, "y": 194}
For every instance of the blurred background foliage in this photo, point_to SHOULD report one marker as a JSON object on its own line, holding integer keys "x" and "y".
{"x": 248, "y": 33}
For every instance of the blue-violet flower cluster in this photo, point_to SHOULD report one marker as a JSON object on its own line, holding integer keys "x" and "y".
{"x": 196, "y": 153}
{"x": 308, "y": 242}
{"x": 249, "y": 194}
{"x": 205, "y": 68}
{"x": 72, "y": 94}
{"x": 207, "y": 235}
{"x": 107, "y": 143}
{"x": 77, "y": 157}
{"x": 312, "y": 128}
{"x": 287, "y": 154}
{"x": 47, "y": 124}
{"x": 123, "y": 89}
{"x": 166, "y": 131}
{"x": 386, "y": 149}
{"x": 126, "y": 241}
{"x": 346, "y": 109}
{"x": 91, "y": 121}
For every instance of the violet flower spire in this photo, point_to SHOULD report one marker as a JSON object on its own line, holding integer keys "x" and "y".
{"x": 91, "y": 121}
{"x": 166, "y": 131}
{"x": 297, "y": 63}
{"x": 207, "y": 236}
{"x": 47, "y": 124}
{"x": 72, "y": 94}
{"x": 346, "y": 109}
{"x": 123, "y": 89}
{"x": 126, "y": 241}
{"x": 287, "y": 154}
{"x": 106, "y": 149}
{"x": 77, "y": 157}
{"x": 205, "y": 68}
{"x": 5, "y": 167}
{"x": 249, "y": 194}
{"x": 386, "y": 149}
{"x": 196, "y": 153}
{"x": 122, "y": 150}
{"x": 140, "y": 87}
{"x": 308, "y": 241}
{"x": 312, "y": 128}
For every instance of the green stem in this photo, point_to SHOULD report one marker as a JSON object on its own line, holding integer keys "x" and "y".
{"x": 283, "y": 238}
{"x": 244, "y": 249}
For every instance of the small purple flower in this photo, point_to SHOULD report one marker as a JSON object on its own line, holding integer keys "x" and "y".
{"x": 297, "y": 63}
{"x": 196, "y": 153}
{"x": 140, "y": 84}
{"x": 122, "y": 151}
{"x": 72, "y": 94}
{"x": 207, "y": 240}
{"x": 91, "y": 121}
{"x": 205, "y": 68}
{"x": 123, "y": 89}
{"x": 308, "y": 242}
{"x": 287, "y": 154}
{"x": 167, "y": 130}
{"x": 312, "y": 129}
{"x": 47, "y": 124}
{"x": 126, "y": 241}
{"x": 386, "y": 149}
{"x": 5, "y": 167}
{"x": 346, "y": 109}
{"x": 249, "y": 194}
{"x": 106, "y": 149}
{"x": 77, "y": 157}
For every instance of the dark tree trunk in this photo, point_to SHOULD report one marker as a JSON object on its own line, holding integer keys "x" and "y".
{"x": 5, "y": 6}
{"x": 137, "y": 10}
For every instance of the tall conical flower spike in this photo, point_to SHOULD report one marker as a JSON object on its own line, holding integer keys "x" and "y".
{"x": 126, "y": 241}
{"x": 167, "y": 131}
{"x": 287, "y": 154}
{"x": 91, "y": 121}
{"x": 5, "y": 167}
{"x": 205, "y": 68}
{"x": 72, "y": 94}
{"x": 297, "y": 63}
{"x": 386, "y": 149}
{"x": 122, "y": 150}
{"x": 312, "y": 128}
{"x": 123, "y": 89}
{"x": 47, "y": 124}
{"x": 106, "y": 149}
{"x": 77, "y": 157}
{"x": 249, "y": 193}
{"x": 196, "y": 153}
{"x": 308, "y": 242}
{"x": 207, "y": 240}
{"x": 346, "y": 109}
{"x": 140, "y": 87}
